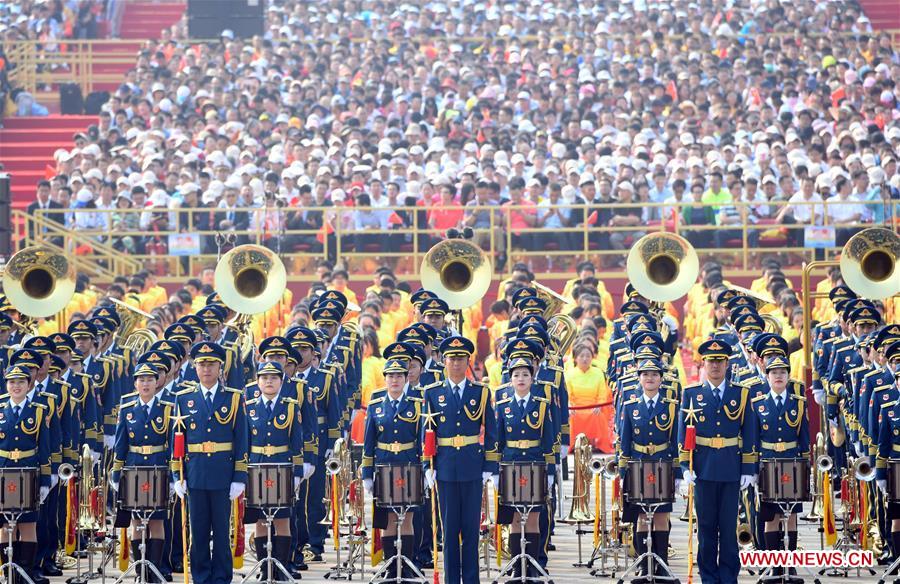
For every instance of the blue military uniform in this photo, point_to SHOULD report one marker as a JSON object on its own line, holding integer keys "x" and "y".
{"x": 724, "y": 453}
{"x": 889, "y": 444}
{"x": 216, "y": 440}
{"x": 459, "y": 415}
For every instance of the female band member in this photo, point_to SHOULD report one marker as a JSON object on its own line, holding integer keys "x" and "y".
{"x": 142, "y": 439}
{"x": 648, "y": 433}
{"x": 525, "y": 434}
{"x": 276, "y": 436}
{"x": 393, "y": 436}
{"x": 782, "y": 425}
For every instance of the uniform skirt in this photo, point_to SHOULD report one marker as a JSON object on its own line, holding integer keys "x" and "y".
{"x": 124, "y": 516}
{"x": 382, "y": 515}
{"x": 29, "y": 517}
{"x": 893, "y": 510}
{"x": 768, "y": 511}
{"x": 254, "y": 514}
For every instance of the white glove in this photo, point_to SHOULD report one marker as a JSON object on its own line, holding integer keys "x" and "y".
{"x": 235, "y": 491}
{"x": 297, "y": 482}
{"x": 329, "y": 453}
{"x": 496, "y": 480}
{"x": 367, "y": 485}
{"x": 819, "y": 396}
{"x": 44, "y": 492}
{"x": 485, "y": 477}
{"x": 430, "y": 478}
{"x": 882, "y": 484}
{"x": 688, "y": 477}
{"x": 859, "y": 448}
{"x": 746, "y": 481}
{"x": 180, "y": 489}
{"x": 54, "y": 480}
{"x": 95, "y": 457}
{"x": 680, "y": 487}
{"x": 114, "y": 485}
{"x": 563, "y": 451}
{"x": 308, "y": 470}
{"x": 109, "y": 441}
{"x": 551, "y": 480}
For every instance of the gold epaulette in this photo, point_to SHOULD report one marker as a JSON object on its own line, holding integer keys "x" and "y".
{"x": 127, "y": 395}
{"x": 800, "y": 397}
{"x": 759, "y": 397}
{"x": 632, "y": 400}
{"x": 165, "y": 403}
{"x": 888, "y": 405}
{"x": 252, "y": 401}
{"x": 670, "y": 400}
{"x": 881, "y": 388}
{"x": 37, "y": 405}
{"x": 504, "y": 401}
{"x": 414, "y": 399}
{"x": 872, "y": 372}
{"x": 128, "y": 404}
{"x": 541, "y": 399}
{"x": 433, "y": 385}
{"x": 376, "y": 400}
{"x": 288, "y": 400}
{"x": 233, "y": 390}
{"x": 844, "y": 348}
{"x": 185, "y": 391}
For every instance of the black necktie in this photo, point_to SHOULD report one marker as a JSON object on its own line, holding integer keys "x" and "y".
{"x": 395, "y": 404}
{"x": 457, "y": 392}
{"x": 209, "y": 400}
{"x": 651, "y": 405}
{"x": 718, "y": 393}
{"x": 147, "y": 411}
{"x": 270, "y": 407}
{"x": 522, "y": 405}
{"x": 779, "y": 404}
{"x": 17, "y": 410}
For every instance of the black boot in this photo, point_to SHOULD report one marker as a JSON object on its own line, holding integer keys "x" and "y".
{"x": 773, "y": 541}
{"x": 24, "y": 553}
{"x": 389, "y": 547}
{"x": 640, "y": 548}
{"x": 408, "y": 550}
{"x": 515, "y": 548}
{"x": 661, "y": 549}
{"x": 259, "y": 544}
{"x": 895, "y": 543}
{"x": 281, "y": 549}
{"x": 533, "y": 546}
{"x": 154, "y": 554}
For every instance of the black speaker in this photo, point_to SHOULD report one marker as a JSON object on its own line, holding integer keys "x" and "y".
{"x": 208, "y": 18}
{"x": 71, "y": 101}
{"x": 6, "y": 247}
{"x": 94, "y": 102}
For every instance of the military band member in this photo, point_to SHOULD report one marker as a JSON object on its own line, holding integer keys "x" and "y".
{"x": 524, "y": 434}
{"x": 889, "y": 445}
{"x": 461, "y": 409}
{"x": 782, "y": 428}
{"x": 724, "y": 461}
{"x": 24, "y": 443}
{"x": 142, "y": 439}
{"x": 393, "y": 435}
{"x": 276, "y": 436}
{"x": 85, "y": 335}
{"x": 216, "y": 443}
{"x": 648, "y": 432}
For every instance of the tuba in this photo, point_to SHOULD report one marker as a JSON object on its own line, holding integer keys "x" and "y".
{"x": 458, "y": 271}
{"x": 90, "y": 515}
{"x": 38, "y": 282}
{"x": 662, "y": 266}
{"x": 869, "y": 263}
{"x": 580, "y": 511}
{"x": 137, "y": 339}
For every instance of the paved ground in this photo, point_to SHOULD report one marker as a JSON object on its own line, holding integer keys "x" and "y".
{"x": 561, "y": 562}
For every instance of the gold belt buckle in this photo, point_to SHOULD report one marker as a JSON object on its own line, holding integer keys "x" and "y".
{"x": 458, "y": 441}
{"x": 209, "y": 447}
{"x": 395, "y": 447}
{"x": 779, "y": 447}
{"x": 718, "y": 442}
{"x": 268, "y": 450}
{"x": 15, "y": 455}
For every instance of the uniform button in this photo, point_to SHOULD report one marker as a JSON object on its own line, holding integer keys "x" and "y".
{"x": 457, "y": 423}
{"x": 718, "y": 423}
{"x": 268, "y": 433}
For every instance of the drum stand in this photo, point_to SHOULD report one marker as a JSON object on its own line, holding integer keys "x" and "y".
{"x": 268, "y": 561}
{"x": 11, "y": 518}
{"x": 356, "y": 551}
{"x": 523, "y": 559}
{"x": 398, "y": 562}
{"x": 846, "y": 543}
{"x": 766, "y": 576}
{"x": 139, "y": 567}
{"x": 648, "y": 556}
{"x": 608, "y": 547}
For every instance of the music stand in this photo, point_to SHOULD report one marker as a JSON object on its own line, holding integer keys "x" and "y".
{"x": 268, "y": 562}
{"x": 11, "y": 518}
{"x": 399, "y": 561}
{"x": 649, "y": 508}
{"x": 523, "y": 559}
{"x": 139, "y": 567}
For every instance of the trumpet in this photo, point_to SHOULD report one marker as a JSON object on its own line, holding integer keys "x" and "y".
{"x": 863, "y": 469}
{"x": 824, "y": 463}
{"x": 66, "y": 471}
{"x": 745, "y": 536}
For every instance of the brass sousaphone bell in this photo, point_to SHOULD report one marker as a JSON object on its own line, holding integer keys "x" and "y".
{"x": 250, "y": 279}
{"x": 39, "y": 282}
{"x": 457, "y": 271}
{"x": 662, "y": 266}
{"x": 869, "y": 263}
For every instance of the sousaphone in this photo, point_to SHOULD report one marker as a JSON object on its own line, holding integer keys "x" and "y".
{"x": 39, "y": 282}
{"x": 457, "y": 271}
{"x": 250, "y": 279}
{"x": 662, "y": 266}
{"x": 869, "y": 263}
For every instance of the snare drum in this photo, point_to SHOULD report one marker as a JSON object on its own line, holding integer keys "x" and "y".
{"x": 144, "y": 488}
{"x": 893, "y": 480}
{"x": 19, "y": 489}
{"x": 523, "y": 484}
{"x": 650, "y": 481}
{"x": 784, "y": 479}
{"x": 399, "y": 485}
{"x": 270, "y": 485}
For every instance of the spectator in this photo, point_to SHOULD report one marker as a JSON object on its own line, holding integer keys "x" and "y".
{"x": 626, "y": 214}
{"x": 801, "y": 209}
{"x": 844, "y": 210}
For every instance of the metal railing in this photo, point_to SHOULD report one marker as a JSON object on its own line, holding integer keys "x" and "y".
{"x": 178, "y": 243}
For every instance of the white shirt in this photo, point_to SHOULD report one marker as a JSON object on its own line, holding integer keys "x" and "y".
{"x": 461, "y": 386}
{"x": 522, "y": 398}
{"x": 211, "y": 391}
{"x": 842, "y": 211}
{"x": 775, "y": 396}
{"x": 147, "y": 405}
{"x": 718, "y": 390}
{"x": 650, "y": 402}
{"x": 266, "y": 401}
{"x": 803, "y": 212}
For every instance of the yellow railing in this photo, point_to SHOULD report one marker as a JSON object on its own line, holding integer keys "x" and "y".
{"x": 175, "y": 253}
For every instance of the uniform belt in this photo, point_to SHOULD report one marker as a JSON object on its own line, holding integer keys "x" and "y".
{"x": 458, "y": 441}
{"x": 210, "y": 447}
{"x": 321, "y": 419}
{"x": 395, "y": 447}
{"x": 17, "y": 454}
{"x": 268, "y": 450}
{"x": 523, "y": 443}
{"x": 717, "y": 442}
{"x": 110, "y": 419}
{"x": 147, "y": 449}
{"x": 778, "y": 446}
{"x": 895, "y": 447}
{"x": 650, "y": 449}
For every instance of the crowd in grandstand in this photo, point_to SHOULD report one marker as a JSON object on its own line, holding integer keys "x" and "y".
{"x": 442, "y": 114}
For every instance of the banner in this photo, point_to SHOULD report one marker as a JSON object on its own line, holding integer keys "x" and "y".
{"x": 818, "y": 237}
{"x": 184, "y": 244}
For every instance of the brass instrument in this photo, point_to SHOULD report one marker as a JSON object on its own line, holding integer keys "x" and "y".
{"x": 869, "y": 263}
{"x": 759, "y": 299}
{"x": 89, "y": 517}
{"x": 457, "y": 271}
{"x": 580, "y": 511}
{"x": 744, "y": 536}
{"x": 562, "y": 330}
{"x": 824, "y": 463}
{"x": 250, "y": 279}
{"x": 662, "y": 266}
{"x": 555, "y": 302}
{"x": 337, "y": 467}
{"x": 863, "y": 469}
{"x": 38, "y": 282}
{"x": 65, "y": 472}
{"x": 772, "y": 324}
{"x": 746, "y": 518}
{"x": 815, "y": 479}
{"x": 136, "y": 338}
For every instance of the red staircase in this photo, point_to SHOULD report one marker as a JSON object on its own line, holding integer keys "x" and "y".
{"x": 27, "y": 145}
{"x": 884, "y": 14}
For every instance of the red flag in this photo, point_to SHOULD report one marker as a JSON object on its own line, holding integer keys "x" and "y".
{"x": 592, "y": 218}
{"x": 837, "y": 95}
{"x": 49, "y": 172}
{"x": 324, "y": 232}
{"x": 672, "y": 90}
{"x": 395, "y": 219}
{"x": 755, "y": 97}
{"x": 690, "y": 438}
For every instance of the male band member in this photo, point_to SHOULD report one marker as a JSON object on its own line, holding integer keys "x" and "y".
{"x": 460, "y": 410}
{"x": 215, "y": 430}
{"x": 889, "y": 446}
{"x": 723, "y": 464}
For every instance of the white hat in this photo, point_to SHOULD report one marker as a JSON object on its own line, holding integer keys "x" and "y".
{"x": 84, "y": 195}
